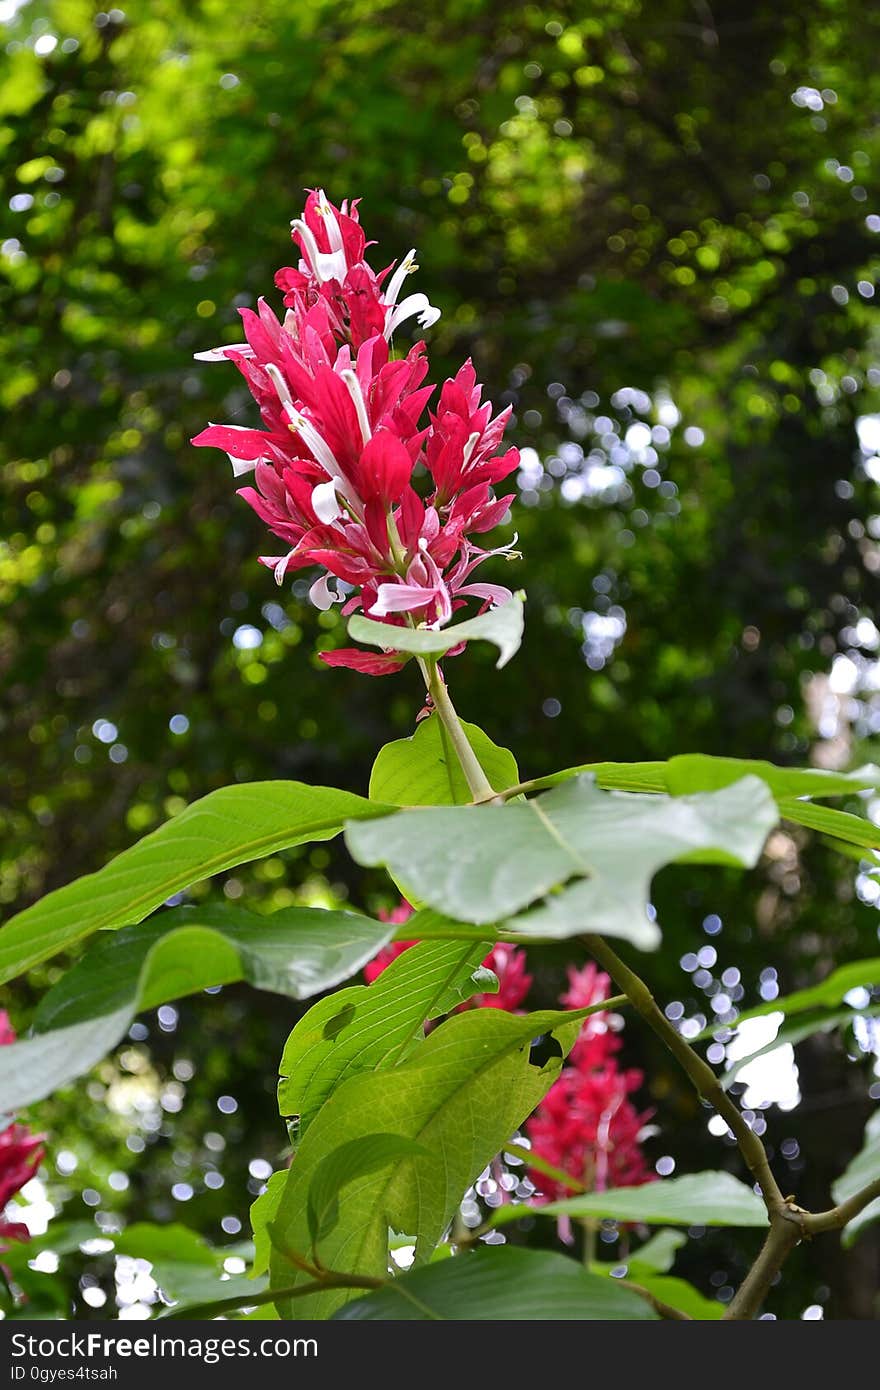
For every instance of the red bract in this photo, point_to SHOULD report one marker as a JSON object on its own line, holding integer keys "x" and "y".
{"x": 587, "y": 1125}
{"x": 20, "y": 1156}
{"x": 344, "y": 436}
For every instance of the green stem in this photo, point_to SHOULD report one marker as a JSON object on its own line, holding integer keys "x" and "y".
{"x": 481, "y": 788}
{"x": 589, "y": 1250}
{"x": 700, "y": 1073}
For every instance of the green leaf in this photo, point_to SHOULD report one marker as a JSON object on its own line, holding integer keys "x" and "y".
{"x": 500, "y": 1285}
{"x": 863, "y": 1169}
{"x": 658, "y": 1254}
{"x": 263, "y": 1213}
{"x": 601, "y": 849}
{"x": 697, "y": 772}
{"x": 356, "y": 1159}
{"x": 424, "y": 770}
{"x": 297, "y": 951}
{"x": 460, "y": 1094}
{"x": 678, "y": 1293}
{"x": 826, "y": 994}
{"x": 187, "y": 1269}
{"x": 34, "y": 1067}
{"x": 626, "y": 777}
{"x": 698, "y": 1199}
{"x": 227, "y": 827}
{"x": 366, "y": 1027}
{"x": 172, "y": 1243}
{"x": 840, "y": 824}
{"x": 502, "y": 626}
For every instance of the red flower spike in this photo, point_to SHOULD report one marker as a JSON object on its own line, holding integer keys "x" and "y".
{"x": 343, "y": 433}
{"x": 586, "y": 1125}
{"x": 21, "y": 1154}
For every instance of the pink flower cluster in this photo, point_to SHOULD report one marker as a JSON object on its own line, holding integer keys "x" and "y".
{"x": 20, "y": 1155}
{"x": 587, "y": 1125}
{"x": 508, "y": 962}
{"x": 344, "y": 435}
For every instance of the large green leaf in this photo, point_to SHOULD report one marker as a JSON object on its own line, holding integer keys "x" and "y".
{"x": 366, "y": 1027}
{"x": 502, "y": 626}
{"x": 500, "y": 1285}
{"x": 460, "y": 1094}
{"x": 704, "y": 1199}
{"x": 228, "y": 827}
{"x": 424, "y": 771}
{"x": 600, "y": 849}
{"x": 298, "y": 951}
{"x": 697, "y": 772}
{"x": 865, "y": 1168}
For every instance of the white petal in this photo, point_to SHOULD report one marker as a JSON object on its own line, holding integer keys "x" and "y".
{"x": 322, "y": 595}
{"x": 309, "y": 245}
{"x": 334, "y": 231}
{"x": 413, "y": 304}
{"x": 331, "y": 265}
{"x": 473, "y": 440}
{"x": 360, "y": 405}
{"x": 218, "y": 354}
{"x": 240, "y": 466}
{"x": 282, "y": 390}
{"x": 281, "y": 566}
{"x": 326, "y": 502}
{"x": 407, "y": 265}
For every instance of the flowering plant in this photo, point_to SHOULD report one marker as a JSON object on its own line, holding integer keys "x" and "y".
{"x": 427, "y": 1104}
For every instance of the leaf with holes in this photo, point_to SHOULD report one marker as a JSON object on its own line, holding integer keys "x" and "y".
{"x": 460, "y": 1094}
{"x": 585, "y": 857}
{"x": 366, "y": 1027}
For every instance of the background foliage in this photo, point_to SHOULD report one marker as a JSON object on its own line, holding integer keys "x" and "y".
{"x": 654, "y": 228}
